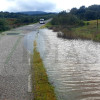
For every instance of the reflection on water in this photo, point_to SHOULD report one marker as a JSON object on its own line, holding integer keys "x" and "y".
{"x": 73, "y": 66}
{"x": 28, "y": 41}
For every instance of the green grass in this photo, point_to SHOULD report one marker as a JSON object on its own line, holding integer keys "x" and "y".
{"x": 42, "y": 89}
{"x": 89, "y": 31}
{"x": 47, "y": 25}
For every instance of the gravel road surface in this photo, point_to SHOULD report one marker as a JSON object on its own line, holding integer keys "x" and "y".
{"x": 14, "y": 64}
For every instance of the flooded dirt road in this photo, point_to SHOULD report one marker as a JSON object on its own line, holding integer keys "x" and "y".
{"x": 73, "y": 66}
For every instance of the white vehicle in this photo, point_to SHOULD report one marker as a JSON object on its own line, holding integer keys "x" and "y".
{"x": 42, "y": 21}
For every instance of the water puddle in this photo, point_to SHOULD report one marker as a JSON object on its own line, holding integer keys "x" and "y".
{"x": 28, "y": 41}
{"x": 73, "y": 66}
{"x": 13, "y": 33}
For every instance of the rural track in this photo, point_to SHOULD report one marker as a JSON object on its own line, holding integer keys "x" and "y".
{"x": 14, "y": 64}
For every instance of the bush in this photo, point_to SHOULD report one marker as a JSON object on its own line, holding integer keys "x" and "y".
{"x": 64, "y": 18}
{"x": 4, "y": 25}
{"x": 87, "y": 23}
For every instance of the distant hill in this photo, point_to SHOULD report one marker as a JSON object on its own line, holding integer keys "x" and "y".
{"x": 33, "y": 12}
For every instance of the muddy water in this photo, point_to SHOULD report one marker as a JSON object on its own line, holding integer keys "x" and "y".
{"x": 73, "y": 66}
{"x": 28, "y": 41}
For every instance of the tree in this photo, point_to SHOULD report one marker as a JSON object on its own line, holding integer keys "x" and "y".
{"x": 3, "y": 25}
{"x": 90, "y": 15}
{"x": 74, "y": 11}
{"x": 64, "y": 18}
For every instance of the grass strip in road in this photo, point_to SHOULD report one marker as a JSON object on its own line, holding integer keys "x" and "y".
{"x": 12, "y": 51}
{"x": 42, "y": 89}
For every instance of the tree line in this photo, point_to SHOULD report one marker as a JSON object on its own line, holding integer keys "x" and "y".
{"x": 64, "y": 18}
{"x": 76, "y": 16}
{"x": 12, "y": 20}
{"x": 68, "y": 24}
{"x": 87, "y": 13}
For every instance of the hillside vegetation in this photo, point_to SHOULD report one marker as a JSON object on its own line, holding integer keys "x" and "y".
{"x": 87, "y": 13}
{"x": 12, "y": 20}
{"x": 78, "y": 23}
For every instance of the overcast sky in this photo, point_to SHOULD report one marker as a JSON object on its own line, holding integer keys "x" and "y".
{"x": 43, "y": 5}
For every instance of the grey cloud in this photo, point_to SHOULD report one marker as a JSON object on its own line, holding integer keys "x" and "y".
{"x": 32, "y": 5}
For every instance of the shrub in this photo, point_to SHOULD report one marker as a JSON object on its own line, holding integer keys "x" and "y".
{"x": 64, "y": 18}
{"x": 4, "y": 25}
